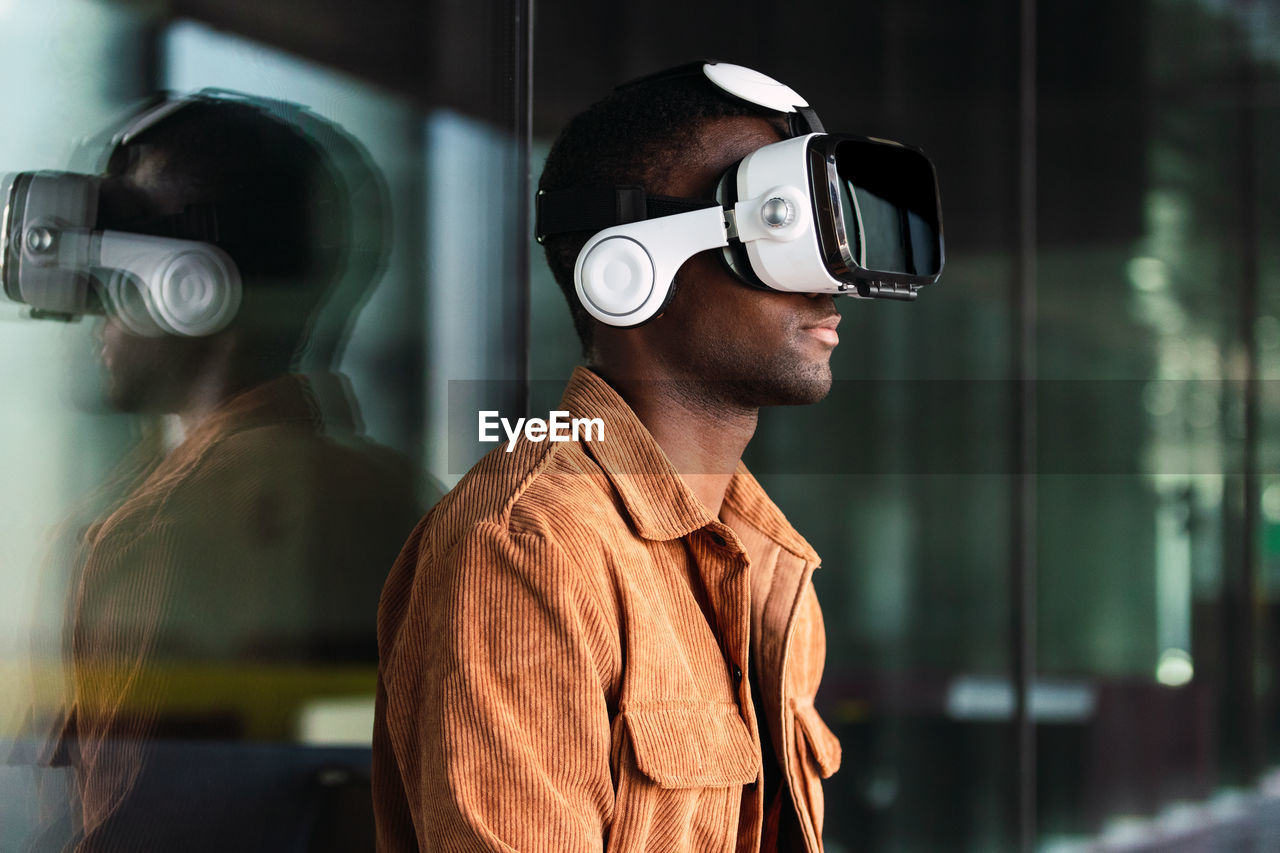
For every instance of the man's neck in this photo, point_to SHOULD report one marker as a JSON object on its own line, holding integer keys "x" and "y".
{"x": 220, "y": 379}
{"x": 702, "y": 436}
{"x": 203, "y": 401}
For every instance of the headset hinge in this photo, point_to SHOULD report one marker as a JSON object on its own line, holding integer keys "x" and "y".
{"x": 730, "y": 225}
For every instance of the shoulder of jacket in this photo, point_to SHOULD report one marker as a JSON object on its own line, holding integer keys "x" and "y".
{"x": 521, "y": 492}
{"x": 510, "y": 514}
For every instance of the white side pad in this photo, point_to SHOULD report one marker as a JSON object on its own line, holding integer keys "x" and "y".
{"x": 188, "y": 288}
{"x": 623, "y": 274}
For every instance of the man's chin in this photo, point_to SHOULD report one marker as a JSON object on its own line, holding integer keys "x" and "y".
{"x": 124, "y": 403}
{"x": 131, "y": 400}
{"x": 805, "y": 394}
{"x": 801, "y": 388}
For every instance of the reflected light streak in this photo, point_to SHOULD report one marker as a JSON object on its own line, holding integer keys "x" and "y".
{"x": 1175, "y": 668}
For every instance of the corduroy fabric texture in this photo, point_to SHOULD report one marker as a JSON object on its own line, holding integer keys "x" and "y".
{"x": 565, "y": 644}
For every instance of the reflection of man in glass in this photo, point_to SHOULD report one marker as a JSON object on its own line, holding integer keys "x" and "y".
{"x": 237, "y": 568}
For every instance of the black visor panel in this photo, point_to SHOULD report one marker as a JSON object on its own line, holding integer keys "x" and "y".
{"x": 882, "y": 200}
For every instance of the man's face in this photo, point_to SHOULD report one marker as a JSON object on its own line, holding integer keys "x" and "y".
{"x": 757, "y": 347}
{"x": 148, "y": 374}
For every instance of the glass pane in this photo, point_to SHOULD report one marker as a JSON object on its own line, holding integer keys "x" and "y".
{"x": 198, "y": 516}
{"x": 1149, "y": 464}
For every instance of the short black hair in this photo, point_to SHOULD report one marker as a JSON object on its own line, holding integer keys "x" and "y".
{"x": 260, "y": 183}
{"x": 270, "y": 183}
{"x": 638, "y": 135}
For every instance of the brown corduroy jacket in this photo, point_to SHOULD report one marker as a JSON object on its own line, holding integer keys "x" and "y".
{"x": 565, "y": 645}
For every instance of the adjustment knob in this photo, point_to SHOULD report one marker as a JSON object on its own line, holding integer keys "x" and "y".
{"x": 41, "y": 240}
{"x": 777, "y": 212}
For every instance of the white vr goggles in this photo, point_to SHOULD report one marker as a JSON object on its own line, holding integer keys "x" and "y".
{"x": 53, "y": 259}
{"x": 816, "y": 213}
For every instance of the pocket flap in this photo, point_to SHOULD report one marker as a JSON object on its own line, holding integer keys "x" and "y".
{"x": 693, "y": 745}
{"x": 824, "y": 745}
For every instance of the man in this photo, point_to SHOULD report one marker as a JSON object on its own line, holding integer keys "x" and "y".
{"x": 615, "y": 643}
{"x": 248, "y": 546}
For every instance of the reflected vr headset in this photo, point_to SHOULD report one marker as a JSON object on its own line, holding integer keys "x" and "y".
{"x": 53, "y": 258}
{"x": 816, "y": 213}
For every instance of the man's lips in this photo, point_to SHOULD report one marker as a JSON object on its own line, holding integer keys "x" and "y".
{"x": 825, "y": 329}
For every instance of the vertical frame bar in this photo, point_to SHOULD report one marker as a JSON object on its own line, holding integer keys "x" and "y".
{"x": 521, "y": 37}
{"x": 1243, "y": 587}
{"x": 1022, "y": 563}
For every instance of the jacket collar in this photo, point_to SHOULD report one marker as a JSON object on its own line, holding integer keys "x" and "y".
{"x": 656, "y": 497}
{"x": 146, "y": 476}
{"x": 748, "y": 499}
{"x": 284, "y": 400}
{"x": 661, "y": 506}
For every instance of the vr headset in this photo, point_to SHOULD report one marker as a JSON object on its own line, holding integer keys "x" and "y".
{"x": 55, "y": 259}
{"x": 815, "y": 213}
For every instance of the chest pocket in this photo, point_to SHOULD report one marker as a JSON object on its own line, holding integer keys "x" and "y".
{"x": 693, "y": 744}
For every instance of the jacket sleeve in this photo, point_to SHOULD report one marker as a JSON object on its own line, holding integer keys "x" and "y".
{"x": 494, "y": 702}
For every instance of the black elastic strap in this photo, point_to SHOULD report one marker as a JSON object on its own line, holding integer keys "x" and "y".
{"x": 804, "y": 121}
{"x": 596, "y": 208}
{"x": 687, "y": 69}
{"x": 195, "y": 222}
{"x": 668, "y": 205}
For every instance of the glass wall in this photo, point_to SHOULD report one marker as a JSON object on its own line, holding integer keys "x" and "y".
{"x": 1046, "y": 493}
{"x": 197, "y": 519}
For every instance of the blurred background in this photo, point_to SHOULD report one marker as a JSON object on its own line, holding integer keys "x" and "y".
{"x": 1046, "y": 493}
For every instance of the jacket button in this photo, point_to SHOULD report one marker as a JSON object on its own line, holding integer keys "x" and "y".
{"x": 717, "y": 538}
{"x": 737, "y": 674}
